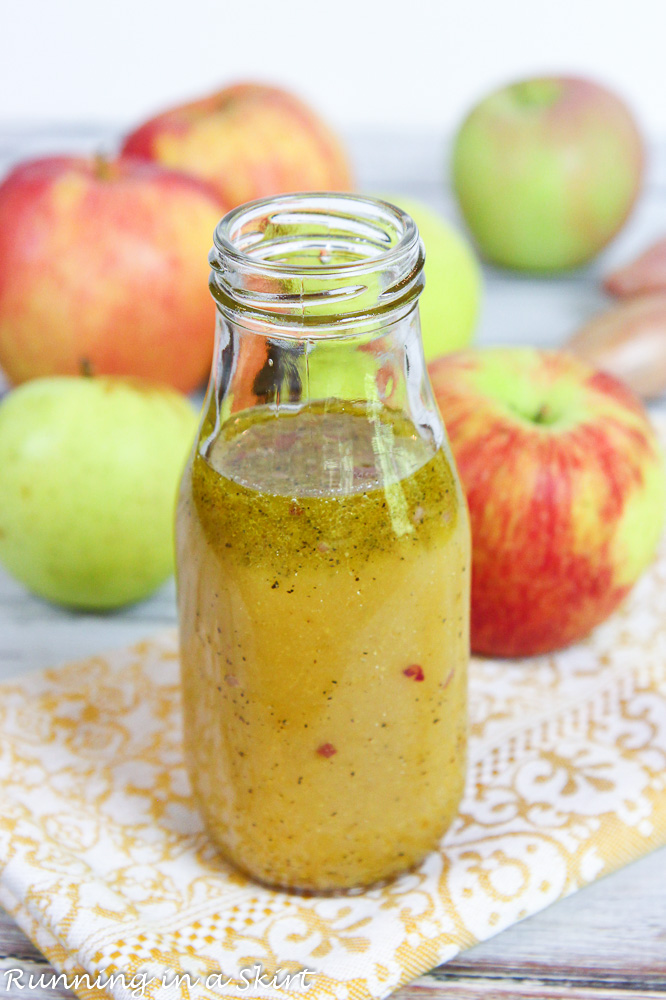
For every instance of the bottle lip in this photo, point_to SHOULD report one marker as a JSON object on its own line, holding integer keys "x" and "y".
{"x": 316, "y": 263}
{"x": 340, "y": 205}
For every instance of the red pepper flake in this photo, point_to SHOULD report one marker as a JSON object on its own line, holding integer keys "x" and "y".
{"x": 418, "y": 515}
{"x": 232, "y": 681}
{"x": 323, "y": 547}
{"x": 295, "y": 510}
{"x": 415, "y": 672}
{"x": 326, "y": 750}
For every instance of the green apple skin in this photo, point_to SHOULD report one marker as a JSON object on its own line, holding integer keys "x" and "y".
{"x": 89, "y": 469}
{"x": 450, "y": 302}
{"x": 546, "y": 171}
{"x": 566, "y": 488}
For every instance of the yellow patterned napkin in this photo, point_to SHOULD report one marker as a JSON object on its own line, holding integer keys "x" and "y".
{"x": 104, "y": 863}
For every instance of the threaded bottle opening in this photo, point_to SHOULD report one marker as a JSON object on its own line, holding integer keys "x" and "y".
{"x": 326, "y": 262}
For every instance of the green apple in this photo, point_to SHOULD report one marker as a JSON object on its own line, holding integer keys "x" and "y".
{"x": 449, "y": 303}
{"x": 89, "y": 469}
{"x": 546, "y": 171}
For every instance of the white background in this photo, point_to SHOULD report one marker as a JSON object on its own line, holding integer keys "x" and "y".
{"x": 363, "y": 63}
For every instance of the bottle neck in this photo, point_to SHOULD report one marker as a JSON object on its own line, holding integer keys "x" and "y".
{"x": 317, "y": 300}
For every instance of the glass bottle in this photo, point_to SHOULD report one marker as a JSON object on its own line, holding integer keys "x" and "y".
{"x": 322, "y": 555}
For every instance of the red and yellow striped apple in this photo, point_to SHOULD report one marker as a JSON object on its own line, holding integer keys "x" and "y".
{"x": 566, "y": 489}
{"x": 104, "y": 265}
{"x": 249, "y": 141}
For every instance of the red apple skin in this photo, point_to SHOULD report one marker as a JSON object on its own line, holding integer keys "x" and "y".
{"x": 104, "y": 264}
{"x": 645, "y": 274}
{"x": 565, "y": 515}
{"x": 249, "y": 141}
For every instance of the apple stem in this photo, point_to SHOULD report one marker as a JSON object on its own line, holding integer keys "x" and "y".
{"x": 537, "y": 93}
{"x": 86, "y": 368}
{"x": 541, "y": 416}
{"x": 102, "y": 167}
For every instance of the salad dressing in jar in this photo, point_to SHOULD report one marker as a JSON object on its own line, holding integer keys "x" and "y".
{"x": 323, "y": 555}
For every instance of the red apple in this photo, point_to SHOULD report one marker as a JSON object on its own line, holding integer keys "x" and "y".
{"x": 546, "y": 171}
{"x": 647, "y": 273}
{"x": 629, "y": 341}
{"x": 104, "y": 264}
{"x": 249, "y": 141}
{"x": 566, "y": 490}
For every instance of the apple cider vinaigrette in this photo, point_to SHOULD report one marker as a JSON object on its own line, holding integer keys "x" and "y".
{"x": 323, "y": 561}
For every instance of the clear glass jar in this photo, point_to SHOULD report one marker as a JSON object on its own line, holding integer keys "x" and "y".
{"x": 323, "y": 555}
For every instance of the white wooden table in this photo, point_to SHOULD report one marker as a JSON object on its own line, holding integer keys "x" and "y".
{"x": 608, "y": 941}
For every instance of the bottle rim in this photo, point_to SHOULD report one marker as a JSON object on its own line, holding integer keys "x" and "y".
{"x": 334, "y": 204}
{"x": 316, "y": 259}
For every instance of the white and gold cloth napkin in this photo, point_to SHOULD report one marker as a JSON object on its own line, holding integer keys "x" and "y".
{"x": 104, "y": 863}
